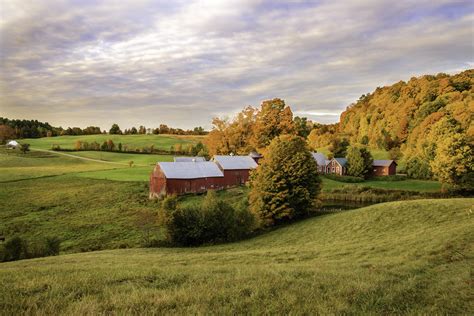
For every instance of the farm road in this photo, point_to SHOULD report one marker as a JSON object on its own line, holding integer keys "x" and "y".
{"x": 85, "y": 158}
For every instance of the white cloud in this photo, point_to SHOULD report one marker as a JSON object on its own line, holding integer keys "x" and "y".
{"x": 147, "y": 62}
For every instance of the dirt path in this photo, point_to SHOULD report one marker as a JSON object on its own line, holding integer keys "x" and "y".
{"x": 84, "y": 158}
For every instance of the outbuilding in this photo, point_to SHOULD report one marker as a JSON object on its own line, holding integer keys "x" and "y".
{"x": 255, "y": 156}
{"x": 337, "y": 166}
{"x": 321, "y": 162}
{"x": 185, "y": 177}
{"x": 236, "y": 169}
{"x": 13, "y": 144}
{"x": 384, "y": 168}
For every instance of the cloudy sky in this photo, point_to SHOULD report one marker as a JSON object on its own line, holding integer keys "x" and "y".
{"x": 84, "y": 62}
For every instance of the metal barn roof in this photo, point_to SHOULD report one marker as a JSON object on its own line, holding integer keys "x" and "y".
{"x": 235, "y": 162}
{"x": 189, "y": 159}
{"x": 382, "y": 163}
{"x": 341, "y": 161}
{"x": 320, "y": 158}
{"x": 190, "y": 170}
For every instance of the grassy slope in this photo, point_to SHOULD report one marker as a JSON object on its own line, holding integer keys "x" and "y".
{"x": 84, "y": 213}
{"x": 408, "y": 185}
{"x": 159, "y": 141}
{"x": 16, "y": 166}
{"x": 401, "y": 257}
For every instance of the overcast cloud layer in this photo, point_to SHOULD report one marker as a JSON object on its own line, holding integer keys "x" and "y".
{"x": 81, "y": 62}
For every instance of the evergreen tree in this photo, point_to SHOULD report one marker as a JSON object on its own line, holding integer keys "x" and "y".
{"x": 286, "y": 184}
{"x": 359, "y": 161}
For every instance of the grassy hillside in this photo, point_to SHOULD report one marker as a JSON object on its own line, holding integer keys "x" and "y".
{"x": 132, "y": 141}
{"x": 85, "y": 214}
{"x": 402, "y": 257}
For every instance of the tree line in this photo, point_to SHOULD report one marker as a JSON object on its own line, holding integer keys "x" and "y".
{"x": 197, "y": 149}
{"x": 17, "y": 129}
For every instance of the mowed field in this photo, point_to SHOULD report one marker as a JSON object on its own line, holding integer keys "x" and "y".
{"x": 411, "y": 257}
{"x": 132, "y": 141}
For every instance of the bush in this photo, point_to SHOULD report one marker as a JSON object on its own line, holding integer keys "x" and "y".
{"x": 18, "y": 248}
{"x": 15, "y": 249}
{"x": 346, "y": 179}
{"x": 52, "y": 245}
{"x": 212, "y": 222}
{"x": 390, "y": 178}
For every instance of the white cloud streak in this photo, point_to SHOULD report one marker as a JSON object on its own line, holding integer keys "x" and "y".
{"x": 148, "y": 62}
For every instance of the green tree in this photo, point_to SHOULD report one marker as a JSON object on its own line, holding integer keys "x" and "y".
{"x": 115, "y": 129}
{"x": 338, "y": 147}
{"x": 454, "y": 162}
{"x": 359, "y": 161}
{"x": 286, "y": 184}
{"x": 302, "y": 126}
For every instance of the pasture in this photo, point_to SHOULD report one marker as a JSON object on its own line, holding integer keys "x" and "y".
{"x": 132, "y": 141}
{"x": 411, "y": 257}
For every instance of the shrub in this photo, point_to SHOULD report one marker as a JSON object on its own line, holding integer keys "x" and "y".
{"x": 15, "y": 249}
{"x": 52, "y": 245}
{"x": 346, "y": 179}
{"x": 213, "y": 221}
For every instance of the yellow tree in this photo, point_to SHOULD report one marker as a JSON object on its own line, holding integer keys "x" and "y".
{"x": 273, "y": 119}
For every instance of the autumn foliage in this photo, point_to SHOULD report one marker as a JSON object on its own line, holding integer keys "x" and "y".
{"x": 251, "y": 129}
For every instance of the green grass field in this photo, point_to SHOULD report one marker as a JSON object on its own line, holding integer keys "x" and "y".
{"x": 406, "y": 185}
{"x": 412, "y": 257}
{"x": 159, "y": 141}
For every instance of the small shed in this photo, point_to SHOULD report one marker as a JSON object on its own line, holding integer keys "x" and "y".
{"x": 337, "y": 166}
{"x": 321, "y": 161}
{"x": 13, "y": 144}
{"x": 255, "y": 156}
{"x": 236, "y": 169}
{"x": 384, "y": 168}
{"x": 189, "y": 159}
{"x": 185, "y": 177}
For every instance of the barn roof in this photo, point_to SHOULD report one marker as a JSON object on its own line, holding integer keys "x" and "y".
{"x": 255, "y": 154}
{"x": 235, "y": 162}
{"x": 320, "y": 159}
{"x": 13, "y": 143}
{"x": 190, "y": 170}
{"x": 382, "y": 163}
{"x": 341, "y": 161}
{"x": 189, "y": 159}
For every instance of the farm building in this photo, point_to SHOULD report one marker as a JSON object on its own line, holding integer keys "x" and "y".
{"x": 236, "y": 169}
{"x": 255, "y": 156}
{"x": 13, "y": 144}
{"x": 321, "y": 161}
{"x": 384, "y": 168}
{"x": 338, "y": 166}
{"x": 185, "y": 177}
{"x": 189, "y": 159}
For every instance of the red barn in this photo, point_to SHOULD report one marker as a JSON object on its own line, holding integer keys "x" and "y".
{"x": 384, "y": 168}
{"x": 185, "y": 177}
{"x": 236, "y": 169}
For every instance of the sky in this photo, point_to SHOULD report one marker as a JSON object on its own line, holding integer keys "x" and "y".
{"x": 181, "y": 63}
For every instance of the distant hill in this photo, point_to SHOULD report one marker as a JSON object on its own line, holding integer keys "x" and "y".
{"x": 426, "y": 122}
{"x": 401, "y": 114}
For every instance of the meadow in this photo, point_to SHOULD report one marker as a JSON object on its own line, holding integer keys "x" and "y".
{"x": 411, "y": 257}
{"x": 158, "y": 141}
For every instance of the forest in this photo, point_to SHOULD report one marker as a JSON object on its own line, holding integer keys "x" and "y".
{"x": 426, "y": 122}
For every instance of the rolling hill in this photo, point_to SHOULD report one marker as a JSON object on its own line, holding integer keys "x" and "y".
{"x": 400, "y": 257}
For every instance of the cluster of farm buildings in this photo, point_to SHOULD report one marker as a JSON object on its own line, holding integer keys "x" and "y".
{"x": 196, "y": 175}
